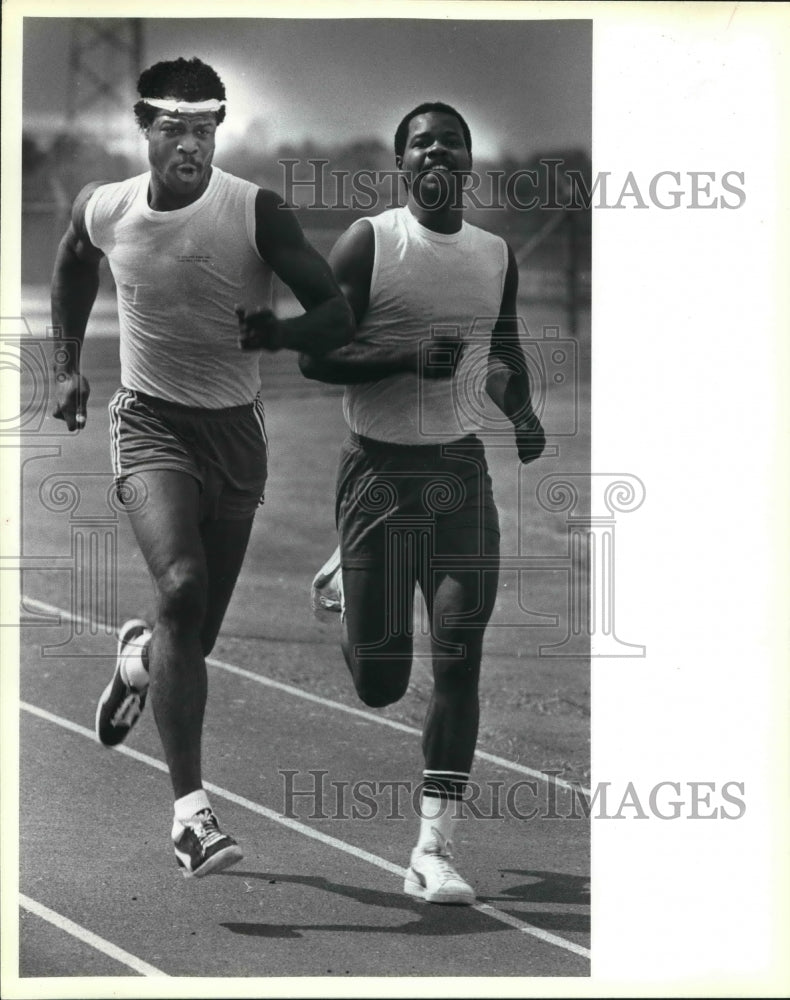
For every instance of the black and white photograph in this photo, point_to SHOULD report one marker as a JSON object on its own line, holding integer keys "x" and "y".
{"x": 496, "y": 287}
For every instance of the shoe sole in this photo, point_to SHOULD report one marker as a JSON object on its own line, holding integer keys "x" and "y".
{"x": 128, "y": 627}
{"x": 216, "y": 863}
{"x": 413, "y": 887}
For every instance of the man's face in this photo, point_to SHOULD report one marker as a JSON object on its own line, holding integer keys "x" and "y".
{"x": 180, "y": 151}
{"x": 435, "y": 154}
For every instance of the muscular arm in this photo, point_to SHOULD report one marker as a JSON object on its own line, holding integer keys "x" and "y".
{"x": 507, "y": 382}
{"x": 360, "y": 361}
{"x": 327, "y": 321}
{"x": 75, "y": 282}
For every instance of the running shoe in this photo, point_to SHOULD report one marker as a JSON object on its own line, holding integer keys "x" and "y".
{"x": 432, "y": 877}
{"x": 326, "y": 593}
{"x": 121, "y": 704}
{"x": 201, "y": 847}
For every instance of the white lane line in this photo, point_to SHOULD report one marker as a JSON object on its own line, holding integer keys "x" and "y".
{"x": 328, "y": 703}
{"x": 307, "y": 831}
{"x": 89, "y": 938}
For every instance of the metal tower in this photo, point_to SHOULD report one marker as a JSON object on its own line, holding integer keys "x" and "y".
{"x": 105, "y": 57}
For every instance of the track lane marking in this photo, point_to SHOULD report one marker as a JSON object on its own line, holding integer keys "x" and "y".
{"x": 88, "y": 937}
{"x": 505, "y": 918}
{"x": 328, "y": 703}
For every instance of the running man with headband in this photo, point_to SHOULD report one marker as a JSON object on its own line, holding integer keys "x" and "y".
{"x": 192, "y": 250}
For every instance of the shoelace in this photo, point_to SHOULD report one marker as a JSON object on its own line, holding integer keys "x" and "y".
{"x": 443, "y": 868}
{"x": 128, "y": 710}
{"x": 441, "y": 858}
{"x": 205, "y": 828}
{"x": 331, "y": 584}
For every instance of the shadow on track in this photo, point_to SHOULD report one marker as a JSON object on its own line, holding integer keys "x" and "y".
{"x": 439, "y": 921}
{"x": 544, "y": 887}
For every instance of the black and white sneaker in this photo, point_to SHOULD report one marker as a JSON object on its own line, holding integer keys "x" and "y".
{"x": 121, "y": 704}
{"x": 326, "y": 593}
{"x": 201, "y": 847}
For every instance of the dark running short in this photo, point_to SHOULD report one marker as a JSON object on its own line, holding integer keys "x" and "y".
{"x": 224, "y": 450}
{"x": 393, "y": 497}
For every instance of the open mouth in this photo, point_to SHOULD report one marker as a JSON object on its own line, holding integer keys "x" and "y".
{"x": 436, "y": 170}
{"x": 188, "y": 171}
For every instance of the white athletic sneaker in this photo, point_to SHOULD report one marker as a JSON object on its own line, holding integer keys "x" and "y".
{"x": 432, "y": 877}
{"x": 121, "y": 703}
{"x": 326, "y": 593}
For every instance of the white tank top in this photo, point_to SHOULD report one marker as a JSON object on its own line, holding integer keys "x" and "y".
{"x": 423, "y": 280}
{"x": 179, "y": 275}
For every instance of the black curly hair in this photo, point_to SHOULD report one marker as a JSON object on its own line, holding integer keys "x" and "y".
{"x": 402, "y": 132}
{"x": 188, "y": 79}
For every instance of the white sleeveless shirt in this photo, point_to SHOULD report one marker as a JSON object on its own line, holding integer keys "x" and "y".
{"x": 422, "y": 280}
{"x": 179, "y": 275}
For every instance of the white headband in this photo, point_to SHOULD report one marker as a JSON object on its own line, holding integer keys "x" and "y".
{"x": 176, "y": 106}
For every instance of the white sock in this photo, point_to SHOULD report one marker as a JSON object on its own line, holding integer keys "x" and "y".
{"x": 436, "y": 816}
{"x": 133, "y": 668}
{"x": 186, "y": 807}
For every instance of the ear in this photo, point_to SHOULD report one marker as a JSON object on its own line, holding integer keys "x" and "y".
{"x": 399, "y": 162}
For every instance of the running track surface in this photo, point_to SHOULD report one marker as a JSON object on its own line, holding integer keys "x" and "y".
{"x": 317, "y": 894}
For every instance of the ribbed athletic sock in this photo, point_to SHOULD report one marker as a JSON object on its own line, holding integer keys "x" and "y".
{"x": 186, "y": 807}
{"x": 439, "y": 805}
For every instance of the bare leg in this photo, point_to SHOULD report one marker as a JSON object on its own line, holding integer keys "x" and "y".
{"x": 225, "y": 545}
{"x": 377, "y": 637}
{"x": 460, "y": 604}
{"x": 170, "y": 538}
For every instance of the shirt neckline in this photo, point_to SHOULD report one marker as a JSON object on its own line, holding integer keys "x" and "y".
{"x": 431, "y": 234}
{"x": 176, "y": 213}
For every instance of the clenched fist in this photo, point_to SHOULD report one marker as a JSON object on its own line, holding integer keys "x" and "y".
{"x": 530, "y": 439}
{"x": 71, "y": 399}
{"x": 259, "y": 330}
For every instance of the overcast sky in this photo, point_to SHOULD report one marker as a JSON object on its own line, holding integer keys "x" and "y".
{"x": 523, "y": 86}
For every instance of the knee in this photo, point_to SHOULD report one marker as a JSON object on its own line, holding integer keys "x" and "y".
{"x": 457, "y": 648}
{"x": 182, "y": 593}
{"x": 379, "y": 682}
{"x": 378, "y": 693}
